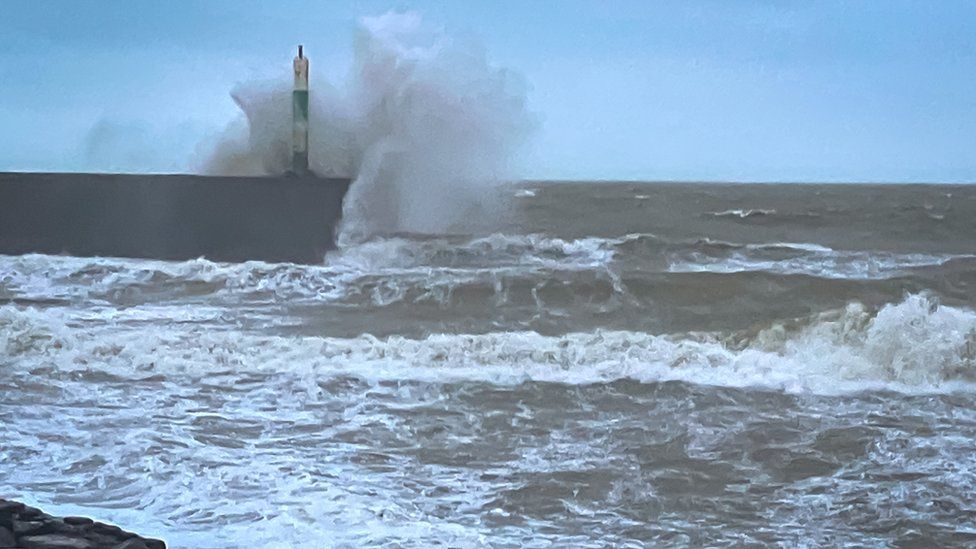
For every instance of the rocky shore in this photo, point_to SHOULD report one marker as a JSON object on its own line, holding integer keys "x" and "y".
{"x": 26, "y": 527}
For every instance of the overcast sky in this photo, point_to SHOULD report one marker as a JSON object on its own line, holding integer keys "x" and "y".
{"x": 746, "y": 90}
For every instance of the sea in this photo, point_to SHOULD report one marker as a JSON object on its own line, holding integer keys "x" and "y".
{"x": 598, "y": 364}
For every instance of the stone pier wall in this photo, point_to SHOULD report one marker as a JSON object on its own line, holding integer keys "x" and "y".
{"x": 174, "y": 217}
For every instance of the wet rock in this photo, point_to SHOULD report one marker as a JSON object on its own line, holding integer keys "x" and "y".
{"x": 7, "y": 511}
{"x": 102, "y": 540}
{"x": 133, "y": 543}
{"x": 9, "y": 507}
{"x": 111, "y": 530}
{"x": 25, "y": 527}
{"x": 55, "y": 541}
{"x": 7, "y": 538}
{"x": 40, "y": 525}
{"x": 28, "y": 527}
{"x": 30, "y": 513}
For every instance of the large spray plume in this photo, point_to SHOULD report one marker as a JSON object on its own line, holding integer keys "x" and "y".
{"x": 425, "y": 125}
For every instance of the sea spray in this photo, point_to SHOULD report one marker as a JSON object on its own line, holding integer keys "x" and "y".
{"x": 425, "y": 125}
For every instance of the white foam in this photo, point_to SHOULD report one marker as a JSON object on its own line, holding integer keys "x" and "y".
{"x": 440, "y": 261}
{"x": 915, "y": 345}
{"x": 426, "y": 125}
{"x": 742, "y": 214}
{"x": 808, "y": 259}
{"x": 241, "y": 437}
{"x": 484, "y": 252}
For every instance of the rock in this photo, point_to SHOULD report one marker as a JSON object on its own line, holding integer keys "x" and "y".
{"x": 133, "y": 543}
{"x": 7, "y": 511}
{"x": 112, "y": 531}
{"x": 28, "y": 527}
{"x": 78, "y": 521}
{"x": 101, "y": 540}
{"x": 7, "y": 538}
{"x": 8, "y": 507}
{"x": 37, "y": 527}
{"x": 31, "y": 513}
{"x": 25, "y": 527}
{"x": 141, "y": 543}
{"x": 55, "y": 541}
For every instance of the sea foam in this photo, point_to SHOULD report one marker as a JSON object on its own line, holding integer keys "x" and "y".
{"x": 916, "y": 345}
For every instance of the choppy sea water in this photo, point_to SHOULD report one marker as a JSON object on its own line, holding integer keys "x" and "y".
{"x": 601, "y": 364}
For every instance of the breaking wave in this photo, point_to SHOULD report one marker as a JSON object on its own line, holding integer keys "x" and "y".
{"x": 440, "y": 260}
{"x": 425, "y": 125}
{"x": 917, "y": 345}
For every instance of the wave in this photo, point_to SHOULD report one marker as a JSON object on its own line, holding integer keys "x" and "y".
{"x": 425, "y": 124}
{"x": 413, "y": 264}
{"x": 768, "y": 215}
{"x": 396, "y": 260}
{"x": 640, "y": 251}
{"x": 742, "y": 214}
{"x": 916, "y": 345}
{"x": 809, "y": 260}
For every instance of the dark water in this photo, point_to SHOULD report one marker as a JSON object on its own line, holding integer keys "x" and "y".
{"x": 597, "y": 364}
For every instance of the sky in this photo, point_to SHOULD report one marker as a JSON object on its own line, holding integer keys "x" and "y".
{"x": 747, "y": 90}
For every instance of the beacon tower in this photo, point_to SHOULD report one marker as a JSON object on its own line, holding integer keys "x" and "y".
{"x": 299, "y": 108}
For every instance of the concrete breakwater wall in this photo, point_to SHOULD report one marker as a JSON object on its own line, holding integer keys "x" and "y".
{"x": 173, "y": 217}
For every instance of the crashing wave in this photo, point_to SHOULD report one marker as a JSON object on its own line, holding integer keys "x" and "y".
{"x": 915, "y": 345}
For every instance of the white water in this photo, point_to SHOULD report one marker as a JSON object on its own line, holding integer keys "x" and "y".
{"x": 179, "y": 400}
{"x": 915, "y": 345}
{"x": 442, "y": 260}
{"x": 426, "y": 125}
